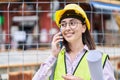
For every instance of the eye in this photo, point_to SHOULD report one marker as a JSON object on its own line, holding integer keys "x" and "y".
{"x": 72, "y": 23}
{"x": 63, "y": 24}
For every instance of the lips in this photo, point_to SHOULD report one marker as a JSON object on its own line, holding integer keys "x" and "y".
{"x": 69, "y": 34}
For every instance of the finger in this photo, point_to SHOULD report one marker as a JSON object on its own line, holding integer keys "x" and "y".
{"x": 57, "y": 41}
{"x": 58, "y": 34}
{"x": 65, "y": 77}
{"x": 68, "y": 77}
{"x": 57, "y": 38}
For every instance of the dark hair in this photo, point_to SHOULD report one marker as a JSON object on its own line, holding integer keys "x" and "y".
{"x": 86, "y": 39}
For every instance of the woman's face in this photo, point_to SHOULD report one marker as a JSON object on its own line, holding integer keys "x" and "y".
{"x": 72, "y": 29}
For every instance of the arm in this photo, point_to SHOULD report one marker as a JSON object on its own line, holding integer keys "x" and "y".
{"x": 45, "y": 69}
{"x": 108, "y": 71}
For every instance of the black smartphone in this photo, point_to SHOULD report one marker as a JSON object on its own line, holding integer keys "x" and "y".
{"x": 61, "y": 42}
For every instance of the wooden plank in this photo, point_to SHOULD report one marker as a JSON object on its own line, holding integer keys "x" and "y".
{"x": 20, "y": 65}
{"x": 118, "y": 65}
{"x": 115, "y": 57}
{"x": 25, "y": 75}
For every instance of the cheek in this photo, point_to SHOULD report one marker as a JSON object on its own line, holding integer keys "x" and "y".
{"x": 62, "y": 32}
{"x": 79, "y": 32}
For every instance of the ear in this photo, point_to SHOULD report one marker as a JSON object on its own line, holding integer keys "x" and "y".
{"x": 83, "y": 28}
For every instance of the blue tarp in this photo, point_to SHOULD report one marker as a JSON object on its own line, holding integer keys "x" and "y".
{"x": 105, "y": 6}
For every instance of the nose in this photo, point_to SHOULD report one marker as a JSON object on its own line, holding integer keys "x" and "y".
{"x": 68, "y": 26}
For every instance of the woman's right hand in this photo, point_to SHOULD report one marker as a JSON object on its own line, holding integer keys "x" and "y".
{"x": 55, "y": 44}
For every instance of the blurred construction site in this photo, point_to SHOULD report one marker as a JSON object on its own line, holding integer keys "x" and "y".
{"x": 27, "y": 28}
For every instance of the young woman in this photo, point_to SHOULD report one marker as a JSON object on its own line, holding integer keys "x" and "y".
{"x": 69, "y": 62}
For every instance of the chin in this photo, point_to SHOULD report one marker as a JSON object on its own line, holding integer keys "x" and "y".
{"x": 69, "y": 39}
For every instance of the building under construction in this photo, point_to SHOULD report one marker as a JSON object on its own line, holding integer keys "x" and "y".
{"x": 27, "y": 27}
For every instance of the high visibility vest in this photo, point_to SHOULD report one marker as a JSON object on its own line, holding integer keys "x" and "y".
{"x": 82, "y": 69}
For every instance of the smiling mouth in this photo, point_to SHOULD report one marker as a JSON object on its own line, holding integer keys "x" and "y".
{"x": 69, "y": 34}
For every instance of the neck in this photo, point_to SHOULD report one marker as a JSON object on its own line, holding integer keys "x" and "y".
{"x": 76, "y": 46}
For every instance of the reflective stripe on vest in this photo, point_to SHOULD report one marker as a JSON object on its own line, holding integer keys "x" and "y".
{"x": 81, "y": 70}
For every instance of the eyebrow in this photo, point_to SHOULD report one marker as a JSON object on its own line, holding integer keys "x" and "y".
{"x": 69, "y": 20}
